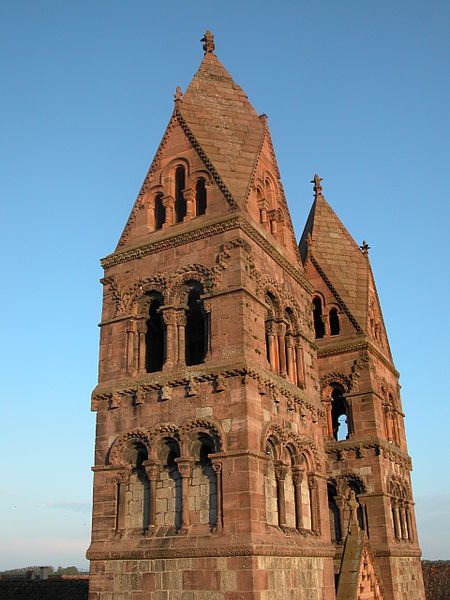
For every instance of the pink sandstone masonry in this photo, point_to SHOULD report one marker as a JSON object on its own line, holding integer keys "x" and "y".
{"x": 250, "y": 441}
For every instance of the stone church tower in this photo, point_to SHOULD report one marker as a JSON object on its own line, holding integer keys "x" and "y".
{"x": 250, "y": 440}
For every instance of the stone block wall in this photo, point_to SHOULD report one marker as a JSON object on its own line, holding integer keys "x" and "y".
{"x": 220, "y": 578}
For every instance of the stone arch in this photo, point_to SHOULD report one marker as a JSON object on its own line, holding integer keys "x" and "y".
{"x": 158, "y": 434}
{"x": 277, "y": 434}
{"x": 343, "y": 482}
{"x": 202, "y": 174}
{"x": 136, "y": 293}
{"x": 170, "y": 168}
{"x": 189, "y": 273}
{"x": 116, "y": 452}
{"x": 208, "y": 427}
{"x": 271, "y": 189}
{"x": 335, "y": 377}
{"x": 275, "y": 304}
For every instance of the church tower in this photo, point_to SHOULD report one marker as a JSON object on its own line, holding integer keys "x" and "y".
{"x": 364, "y": 432}
{"x": 221, "y": 466}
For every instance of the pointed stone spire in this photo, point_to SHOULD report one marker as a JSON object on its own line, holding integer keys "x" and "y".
{"x": 224, "y": 123}
{"x": 208, "y": 42}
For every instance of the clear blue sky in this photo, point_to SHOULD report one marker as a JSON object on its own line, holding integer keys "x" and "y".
{"x": 356, "y": 91}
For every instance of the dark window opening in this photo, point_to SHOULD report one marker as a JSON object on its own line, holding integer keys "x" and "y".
{"x": 180, "y": 202}
{"x": 160, "y": 212}
{"x": 172, "y": 469}
{"x": 207, "y": 470}
{"x": 340, "y": 416}
{"x": 334, "y": 322}
{"x": 200, "y": 197}
{"x": 155, "y": 338}
{"x": 196, "y": 329}
{"x": 271, "y": 302}
{"x": 319, "y": 327}
{"x": 335, "y": 520}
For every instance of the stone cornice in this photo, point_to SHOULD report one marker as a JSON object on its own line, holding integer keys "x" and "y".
{"x": 335, "y": 293}
{"x": 227, "y": 223}
{"x": 360, "y": 447}
{"x": 363, "y": 345}
{"x": 169, "y": 239}
{"x": 208, "y": 551}
{"x": 206, "y": 373}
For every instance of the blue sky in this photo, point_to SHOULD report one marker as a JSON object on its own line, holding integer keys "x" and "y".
{"x": 355, "y": 91}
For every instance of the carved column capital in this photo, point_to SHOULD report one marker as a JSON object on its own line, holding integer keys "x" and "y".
{"x": 123, "y": 477}
{"x": 168, "y": 201}
{"x": 152, "y": 469}
{"x": 217, "y": 467}
{"x": 280, "y": 471}
{"x": 297, "y": 475}
{"x": 189, "y": 194}
{"x": 312, "y": 481}
{"x": 184, "y": 467}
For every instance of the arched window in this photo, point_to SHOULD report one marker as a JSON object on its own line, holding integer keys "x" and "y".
{"x": 196, "y": 328}
{"x": 169, "y": 498}
{"x": 203, "y": 499}
{"x": 319, "y": 328}
{"x": 200, "y": 197}
{"x": 270, "y": 485}
{"x": 155, "y": 336}
{"x": 334, "y": 322}
{"x": 160, "y": 212}
{"x": 137, "y": 504}
{"x": 272, "y": 349}
{"x": 340, "y": 415}
{"x": 180, "y": 202}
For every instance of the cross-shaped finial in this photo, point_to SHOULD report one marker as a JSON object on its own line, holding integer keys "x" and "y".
{"x": 365, "y": 248}
{"x": 208, "y": 42}
{"x": 317, "y": 185}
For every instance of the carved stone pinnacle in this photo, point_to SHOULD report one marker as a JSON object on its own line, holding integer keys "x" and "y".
{"x": 365, "y": 248}
{"x": 208, "y": 42}
{"x": 317, "y": 185}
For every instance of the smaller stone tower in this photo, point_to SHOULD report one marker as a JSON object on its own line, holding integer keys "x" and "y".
{"x": 364, "y": 435}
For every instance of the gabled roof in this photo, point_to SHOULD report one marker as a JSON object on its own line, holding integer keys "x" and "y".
{"x": 339, "y": 260}
{"x": 224, "y": 123}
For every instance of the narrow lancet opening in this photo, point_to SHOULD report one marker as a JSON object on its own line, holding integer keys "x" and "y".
{"x": 319, "y": 328}
{"x": 196, "y": 329}
{"x": 334, "y": 322}
{"x": 200, "y": 197}
{"x": 160, "y": 212}
{"x": 340, "y": 415}
{"x": 155, "y": 337}
{"x": 180, "y": 202}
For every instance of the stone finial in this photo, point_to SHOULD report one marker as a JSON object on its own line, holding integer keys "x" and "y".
{"x": 178, "y": 93}
{"x": 317, "y": 185}
{"x": 365, "y": 248}
{"x": 208, "y": 42}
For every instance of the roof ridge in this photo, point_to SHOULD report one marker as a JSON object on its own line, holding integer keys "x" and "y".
{"x": 334, "y": 291}
{"x": 202, "y": 154}
{"x": 145, "y": 184}
{"x": 257, "y": 157}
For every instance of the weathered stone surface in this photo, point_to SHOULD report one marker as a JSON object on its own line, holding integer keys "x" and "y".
{"x": 220, "y": 467}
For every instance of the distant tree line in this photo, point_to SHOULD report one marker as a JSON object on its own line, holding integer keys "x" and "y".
{"x": 436, "y": 577}
{"x": 37, "y": 569}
